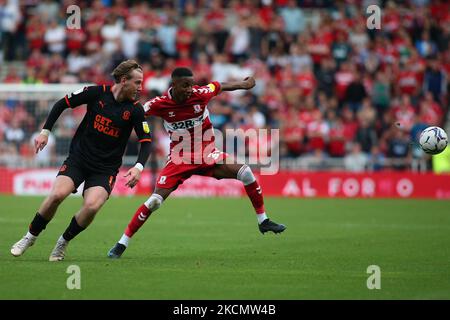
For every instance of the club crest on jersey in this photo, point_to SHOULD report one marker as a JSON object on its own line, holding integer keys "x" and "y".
{"x": 211, "y": 87}
{"x": 126, "y": 115}
{"x": 197, "y": 108}
{"x": 171, "y": 114}
{"x": 145, "y": 127}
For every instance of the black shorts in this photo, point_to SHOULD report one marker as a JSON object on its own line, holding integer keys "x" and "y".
{"x": 79, "y": 173}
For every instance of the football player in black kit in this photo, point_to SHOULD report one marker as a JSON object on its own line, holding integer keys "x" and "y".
{"x": 95, "y": 152}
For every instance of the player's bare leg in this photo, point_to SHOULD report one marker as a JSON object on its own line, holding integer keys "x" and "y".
{"x": 62, "y": 187}
{"x": 94, "y": 198}
{"x": 141, "y": 215}
{"x": 254, "y": 192}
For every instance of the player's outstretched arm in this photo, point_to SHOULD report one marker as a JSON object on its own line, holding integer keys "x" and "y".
{"x": 72, "y": 100}
{"x": 245, "y": 84}
{"x": 41, "y": 140}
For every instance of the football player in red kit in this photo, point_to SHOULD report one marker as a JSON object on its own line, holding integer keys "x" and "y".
{"x": 186, "y": 118}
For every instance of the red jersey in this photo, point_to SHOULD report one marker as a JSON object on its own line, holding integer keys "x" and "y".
{"x": 408, "y": 82}
{"x": 293, "y": 136}
{"x": 337, "y": 140}
{"x": 186, "y": 118}
{"x": 343, "y": 80}
{"x": 35, "y": 33}
{"x": 392, "y": 21}
{"x": 307, "y": 82}
{"x": 75, "y": 39}
{"x": 404, "y": 115}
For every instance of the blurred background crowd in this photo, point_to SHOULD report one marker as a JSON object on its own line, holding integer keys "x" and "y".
{"x": 342, "y": 95}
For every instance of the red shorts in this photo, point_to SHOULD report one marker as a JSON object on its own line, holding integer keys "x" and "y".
{"x": 173, "y": 175}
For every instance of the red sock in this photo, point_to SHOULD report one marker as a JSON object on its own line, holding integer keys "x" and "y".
{"x": 254, "y": 192}
{"x": 138, "y": 220}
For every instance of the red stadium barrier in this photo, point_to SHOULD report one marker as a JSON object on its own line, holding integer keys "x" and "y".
{"x": 286, "y": 184}
{"x": 351, "y": 185}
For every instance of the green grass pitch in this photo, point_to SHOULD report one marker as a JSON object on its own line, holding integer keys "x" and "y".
{"x": 212, "y": 249}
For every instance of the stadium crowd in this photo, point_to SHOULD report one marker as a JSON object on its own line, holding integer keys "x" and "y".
{"x": 333, "y": 87}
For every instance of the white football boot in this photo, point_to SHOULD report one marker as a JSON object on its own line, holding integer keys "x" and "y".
{"x": 22, "y": 245}
{"x": 59, "y": 251}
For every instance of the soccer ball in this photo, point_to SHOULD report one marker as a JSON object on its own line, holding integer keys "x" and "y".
{"x": 433, "y": 140}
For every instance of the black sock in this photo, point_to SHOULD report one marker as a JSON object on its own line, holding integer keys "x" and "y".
{"x": 37, "y": 225}
{"x": 72, "y": 230}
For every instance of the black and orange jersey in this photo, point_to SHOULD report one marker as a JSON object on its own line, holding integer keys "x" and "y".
{"x": 102, "y": 136}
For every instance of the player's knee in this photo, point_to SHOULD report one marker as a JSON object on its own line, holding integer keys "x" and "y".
{"x": 92, "y": 205}
{"x": 57, "y": 197}
{"x": 245, "y": 175}
{"x": 154, "y": 202}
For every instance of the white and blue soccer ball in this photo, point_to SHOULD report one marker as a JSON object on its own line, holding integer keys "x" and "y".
{"x": 433, "y": 140}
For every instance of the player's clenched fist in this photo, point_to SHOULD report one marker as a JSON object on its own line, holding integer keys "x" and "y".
{"x": 249, "y": 82}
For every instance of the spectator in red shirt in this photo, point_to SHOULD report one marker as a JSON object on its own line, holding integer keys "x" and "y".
{"x": 391, "y": 18}
{"x": 319, "y": 46}
{"x": 306, "y": 81}
{"x": 342, "y": 79}
{"x": 94, "y": 41}
{"x": 184, "y": 37}
{"x": 75, "y": 39}
{"x": 404, "y": 113}
{"x": 306, "y": 110}
{"x": 439, "y": 9}
{"x": 184, "y": 60}
{"x": 386, "y": 51}
{"x": 337, "y": 139}
{"x": 35, "y": 59}
{"x": 293, "y": 135}
{"x": 317, "y": 132}
{"x": 417, "y": 64}
{"x": 407, "y": 81}
{"x": 266, "y": 13}
{"x": 430, "y": 112}
{"x": 350, "y": 123}
{"x": 12, "y": 76}
{"x": 215, "y": 20}
{"x": 35, "y": 31}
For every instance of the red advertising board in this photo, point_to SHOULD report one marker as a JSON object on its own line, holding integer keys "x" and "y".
{"x": 350, "y": 185}
{"x": 285, "y": 184}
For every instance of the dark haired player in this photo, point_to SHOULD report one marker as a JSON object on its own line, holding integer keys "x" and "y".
{"x": 95, "y": 152}
{"x": 184, "y": 111}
